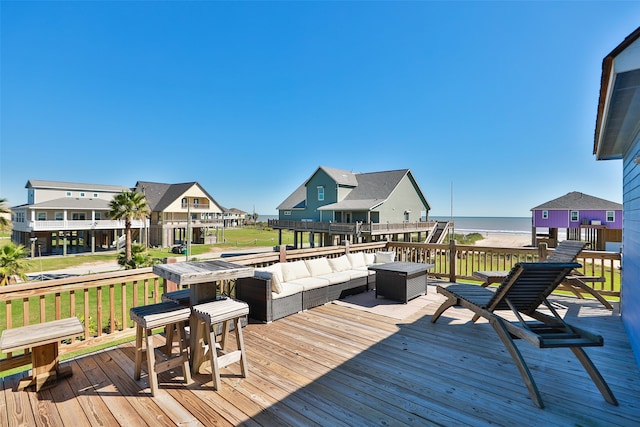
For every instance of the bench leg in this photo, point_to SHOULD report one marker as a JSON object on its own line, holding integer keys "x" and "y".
{"x": 575, "y": 282}
{"x": 518, "y": 359}
{"x": 450, "y": 302}
{"x": 45, "y": 368}
{"x": 595, "y": 375}
{"x": 184, "y": 352}
{"x": 138, "y": 364}
{"x": 151, "y": 363}
{"x": 240, "y": 344}
{"x": 213, "y": 354}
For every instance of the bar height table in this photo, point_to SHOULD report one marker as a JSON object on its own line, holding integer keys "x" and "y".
{"x": 203, "y": 278}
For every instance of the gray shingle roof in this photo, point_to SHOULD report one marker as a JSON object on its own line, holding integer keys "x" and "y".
{"x": 296, "y": 200}
{"x": 160, "y": 196}
{"x": 72, "y": 203}
{"x": 578, "y": 201}
{"x": 370, "y": 189}
{"x": 39, "y": 183}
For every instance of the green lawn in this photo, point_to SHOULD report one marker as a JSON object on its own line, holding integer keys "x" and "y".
{"x": 236, "y": 238}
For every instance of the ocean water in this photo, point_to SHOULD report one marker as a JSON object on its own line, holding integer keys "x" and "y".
{"x": 478, "y": 224}
{"x": 474, "y": 224}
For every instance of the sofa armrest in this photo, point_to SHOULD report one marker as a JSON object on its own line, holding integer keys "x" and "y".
{"x": 256, "y": 292}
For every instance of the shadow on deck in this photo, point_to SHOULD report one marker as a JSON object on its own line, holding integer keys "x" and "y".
{"x": 335, "y": 365}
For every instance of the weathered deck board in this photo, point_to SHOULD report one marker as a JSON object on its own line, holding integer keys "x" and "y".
{"x": 337, "y": 366}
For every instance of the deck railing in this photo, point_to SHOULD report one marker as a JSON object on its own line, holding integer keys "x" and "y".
{"x": 102, "y": 301}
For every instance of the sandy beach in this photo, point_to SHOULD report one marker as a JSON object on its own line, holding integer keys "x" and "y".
{"x": 504, "y": 240}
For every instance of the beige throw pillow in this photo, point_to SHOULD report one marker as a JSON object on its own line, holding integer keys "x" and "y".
{"x": 273, "y": 272}
{"x": 340, "y": 264}
{"x": 384, "y": 257}
{"x": 294, "y": 270}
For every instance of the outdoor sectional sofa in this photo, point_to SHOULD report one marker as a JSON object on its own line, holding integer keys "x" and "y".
{"x": 286, "y": 288}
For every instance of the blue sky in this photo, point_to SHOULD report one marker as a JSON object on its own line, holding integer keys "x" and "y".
{"x": 495, "y": 100}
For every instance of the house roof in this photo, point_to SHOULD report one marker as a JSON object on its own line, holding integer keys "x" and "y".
{"x": 159, "y": 195}
{"x": 578, "y": 201}
{"x": 619, "y": 101}
{"x": 61, "y": 185}
{"x": 369, "y": 189}
{"x": 71, "y": 203}
{"x": 236, "y": 211}
{"x": 340, "y": 176}
{"x": 296, "y": 200}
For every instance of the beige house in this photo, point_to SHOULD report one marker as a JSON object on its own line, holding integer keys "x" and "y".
{"x": 179, "y": 211}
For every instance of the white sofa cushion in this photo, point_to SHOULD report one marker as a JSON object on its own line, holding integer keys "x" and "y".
{"x": 273, "y": 273}
{"x": 311, "y": 283}
{"x": 357, "y": 259}
{"x": 340, "y": 263}
{"x": 359, "y": 272}
{"x": 318, "y": 266}
{"x": 294, "y": 270}
{"x": 338, "y": 277}
{"x": 287, "y": 290}
{"x": 369, "y": 258}
{"x": 384, "y": 257}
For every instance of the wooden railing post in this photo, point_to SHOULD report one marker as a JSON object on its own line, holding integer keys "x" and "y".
{"x": 543, "y": 251}
{"x": 283, "y": 253}
{"x": 453, "y": 255}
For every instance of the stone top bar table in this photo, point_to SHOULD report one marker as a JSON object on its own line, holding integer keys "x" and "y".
{"x": 202, "y": 277}
{"x": 205, "y": 275}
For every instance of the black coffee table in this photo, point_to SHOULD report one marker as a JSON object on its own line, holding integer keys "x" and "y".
{"x": 401, "y": 281}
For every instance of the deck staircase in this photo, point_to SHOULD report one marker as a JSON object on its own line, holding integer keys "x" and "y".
{"x": 438, "y": 232}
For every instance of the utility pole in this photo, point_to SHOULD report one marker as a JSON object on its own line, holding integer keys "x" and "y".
{"x": 188, "y": 229}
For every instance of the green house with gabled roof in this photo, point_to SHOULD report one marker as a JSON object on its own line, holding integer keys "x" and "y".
{"x": 335, "y": 195}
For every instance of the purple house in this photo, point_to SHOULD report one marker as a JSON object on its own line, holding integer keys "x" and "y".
{"x": 584, "y": 217}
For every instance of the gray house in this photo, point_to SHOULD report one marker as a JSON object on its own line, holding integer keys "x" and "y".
{"x": 617, "y": 136}
{"x": 342, "y": 205}
{"x": 334, "y": 195}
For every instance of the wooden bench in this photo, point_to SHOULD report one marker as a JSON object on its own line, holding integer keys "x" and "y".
{"x": 43, "y": 339}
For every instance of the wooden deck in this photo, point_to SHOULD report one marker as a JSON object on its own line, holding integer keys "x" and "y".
{"x": 334, "y": 365}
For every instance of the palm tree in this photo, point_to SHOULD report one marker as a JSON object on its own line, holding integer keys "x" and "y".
{"x": 140, "y": 258}
{"x": 4, "y": 222}
{"x": 128, "y": 206}
{"x": 12, "y": 263}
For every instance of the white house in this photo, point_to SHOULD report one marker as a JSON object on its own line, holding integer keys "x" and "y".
{"x": 67, "y": 217}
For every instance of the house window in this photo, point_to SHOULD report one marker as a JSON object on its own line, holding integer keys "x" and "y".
{"x": 42, "y": 216}
{"x": 82, "y": 194}
{"x": 406, "y": 215}
{"x": 320, "y": 193}
{"x": 286, "y": 213}
{"x": 59, "y": 216}
{"x": 78, "y": 216}
{"x": 545, "y": 214}
{"x": 575, "y": 216}
{"x": 95, "y": 195}
{"x": 97, "y": 216}
{"x": 184, "y": 203}
{"x": 68, "y": 193}
{"x": 195, "y": 202}
{"x": 611, "y": 216}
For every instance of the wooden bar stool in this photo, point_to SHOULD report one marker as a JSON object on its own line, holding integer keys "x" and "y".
{"x": 171, "y": 316}
{"x": 224, "y": 313}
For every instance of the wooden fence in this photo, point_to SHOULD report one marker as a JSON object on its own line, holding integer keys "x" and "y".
{"x": 102, "y": 301}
